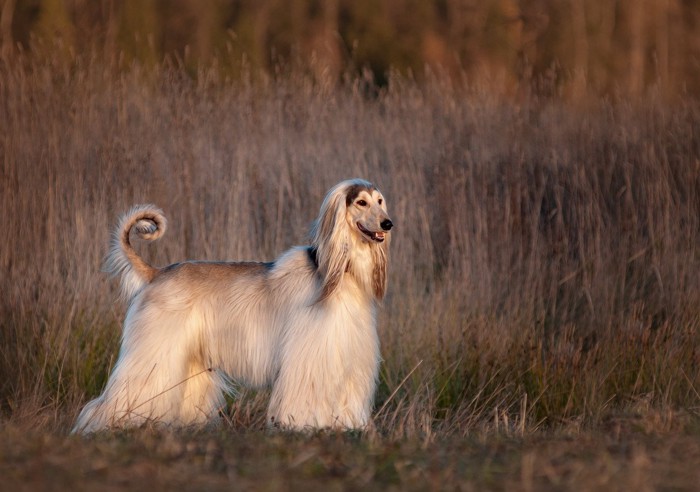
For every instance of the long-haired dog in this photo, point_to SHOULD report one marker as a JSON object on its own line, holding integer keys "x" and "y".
{"x": 304, "y": 323}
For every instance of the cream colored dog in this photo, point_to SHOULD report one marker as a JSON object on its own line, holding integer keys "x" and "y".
{"x": 304, "y": 324}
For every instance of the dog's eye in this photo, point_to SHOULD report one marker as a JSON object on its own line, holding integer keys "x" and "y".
{"x": 380, "y": 201}
{"x": 361, "y": 203}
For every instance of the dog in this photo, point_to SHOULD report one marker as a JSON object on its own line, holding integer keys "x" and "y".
{"x": 304, "y": 324}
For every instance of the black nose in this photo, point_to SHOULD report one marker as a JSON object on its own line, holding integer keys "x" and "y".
{"x": 386, "y": 224}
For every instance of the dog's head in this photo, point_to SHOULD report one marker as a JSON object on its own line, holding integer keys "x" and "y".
{"x": 353, "y": 215}
{"x": 365, "y": 212}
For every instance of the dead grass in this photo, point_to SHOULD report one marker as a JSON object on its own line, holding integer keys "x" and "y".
{"x": 544, "y": 266}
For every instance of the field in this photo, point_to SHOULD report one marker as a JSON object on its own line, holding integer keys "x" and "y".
{"x": 253, "y": 460}
{"x": 541, "y": 328}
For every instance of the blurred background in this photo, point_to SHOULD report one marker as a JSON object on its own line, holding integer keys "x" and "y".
{"x": 566, "y": 46}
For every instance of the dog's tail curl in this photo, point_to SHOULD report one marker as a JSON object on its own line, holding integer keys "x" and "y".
{"x": 148, "y": 223}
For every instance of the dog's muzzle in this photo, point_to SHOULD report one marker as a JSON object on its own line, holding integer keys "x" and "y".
{"x": 378, "y": 236}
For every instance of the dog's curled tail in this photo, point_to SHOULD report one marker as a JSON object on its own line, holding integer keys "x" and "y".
{"x": 148, "y": 223}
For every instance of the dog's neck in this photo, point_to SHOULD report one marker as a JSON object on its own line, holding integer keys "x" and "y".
{"x": 313, "y": 256}
{"x": 367, "y": 267}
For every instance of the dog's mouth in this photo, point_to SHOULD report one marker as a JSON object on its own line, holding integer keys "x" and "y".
{"x": 374, "y": 236}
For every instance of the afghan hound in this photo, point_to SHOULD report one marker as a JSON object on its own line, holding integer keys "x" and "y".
{"x": 304, "y": 324}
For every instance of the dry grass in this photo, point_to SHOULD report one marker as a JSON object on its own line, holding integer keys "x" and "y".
{"x": 544, "y": 265}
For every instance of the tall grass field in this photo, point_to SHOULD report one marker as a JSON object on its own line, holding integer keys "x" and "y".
{"x": 542, "y": 325}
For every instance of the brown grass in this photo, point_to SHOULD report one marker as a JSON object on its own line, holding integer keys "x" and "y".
{"x": 544, "y": 266}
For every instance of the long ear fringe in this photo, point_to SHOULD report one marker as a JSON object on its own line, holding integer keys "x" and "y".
{"x": 380, "y": 258}
{"x": 330, "y": 238}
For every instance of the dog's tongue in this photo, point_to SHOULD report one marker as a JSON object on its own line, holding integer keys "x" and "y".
{"x": 379, "y": 235}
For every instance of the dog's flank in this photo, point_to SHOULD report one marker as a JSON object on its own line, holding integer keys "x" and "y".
{"x": 304, "y": 324}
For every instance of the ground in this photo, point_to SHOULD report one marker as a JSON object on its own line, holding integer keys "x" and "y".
{"x": 620, "y": 457}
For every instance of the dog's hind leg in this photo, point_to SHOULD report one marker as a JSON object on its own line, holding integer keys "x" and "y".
{"x": 158, "y": 377}
{"x": 203, "y": 395}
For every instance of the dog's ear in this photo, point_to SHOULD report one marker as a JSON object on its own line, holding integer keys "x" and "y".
{"x": 380, "y": 258}
{"x": 330, "y": 239}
